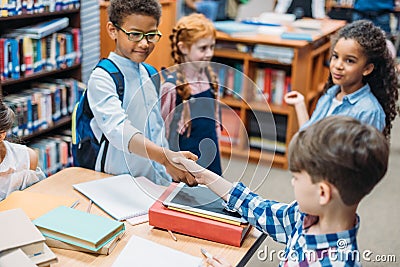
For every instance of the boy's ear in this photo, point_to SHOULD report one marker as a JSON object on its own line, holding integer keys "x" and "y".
{"x": 183, "y": 48}
{"x": 368, "y": 69}
{"x": 111, "y": 30}
{"x": 325, "y": 193}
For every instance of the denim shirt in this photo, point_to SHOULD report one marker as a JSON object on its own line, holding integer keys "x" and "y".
{"x": 361, "y": 105}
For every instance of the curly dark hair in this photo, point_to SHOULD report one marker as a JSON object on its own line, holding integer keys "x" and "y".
{"x": 383, "y": 79}
{"x": 118, "y": 10}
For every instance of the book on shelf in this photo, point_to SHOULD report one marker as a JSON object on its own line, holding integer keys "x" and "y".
{"x": 267, "y": 144}
{"x": 29, "y": 239}
{"x": 77, "y": 227}
{"x": 231, "y": 122}
{"x": 142, "y": 252}
{"x": 105, "y": 250}
{"x": 121, "y": 196}
{"x": 35, "y": 204}
{"x": 181, "y": 222}
{"x": 277, "y": 84}
{"x": 43, "y": 29}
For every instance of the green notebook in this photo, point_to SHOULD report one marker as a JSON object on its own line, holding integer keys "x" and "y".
{"x": 78, "y": 228}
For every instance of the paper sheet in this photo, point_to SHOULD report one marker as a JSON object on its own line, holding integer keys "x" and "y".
{"x": 142, "y": 252}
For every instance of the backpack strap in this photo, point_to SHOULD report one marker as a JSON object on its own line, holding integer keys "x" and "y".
{"x": 118, "y": 78}
{"x": 155, "y": 78}
{"x": 116, "y": 74}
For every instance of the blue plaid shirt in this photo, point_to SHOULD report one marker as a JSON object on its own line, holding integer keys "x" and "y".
{"x": 286, "y": 224}
{"x": 361, "y": 105}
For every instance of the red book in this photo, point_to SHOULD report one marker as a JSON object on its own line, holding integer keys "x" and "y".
{"x": 184, "y": 223}
{"x": 268, "y": 85}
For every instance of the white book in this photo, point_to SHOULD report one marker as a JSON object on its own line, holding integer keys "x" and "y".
{"x": 43, "y": 29}
{"x": 122, "y": 196}
{"x": 17, "y": 231}
{"x": 15, "y": 257}
{"x": 143, "y": 252}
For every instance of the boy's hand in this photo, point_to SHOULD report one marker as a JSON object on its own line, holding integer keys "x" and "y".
{"x": 217, "y": 261}
{"x": 201, "y": 174}
{"x": 293, "y": 98}
{"x": 178, "y": 173}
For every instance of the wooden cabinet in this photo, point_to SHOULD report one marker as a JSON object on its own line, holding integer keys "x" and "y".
{"x": 161, "y": 56}
{"x": 17, "y": 86}
{"x": 307, "y": 72}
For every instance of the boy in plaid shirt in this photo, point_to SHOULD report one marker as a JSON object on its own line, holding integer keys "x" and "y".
{"x": 335, "y": 163}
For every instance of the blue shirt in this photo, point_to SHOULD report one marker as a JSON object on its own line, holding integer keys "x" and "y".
{"x": 361, "y": 105}
{"x": 139, "y": 114}
{"x": 286, "y": 224}
{"x": 368, "y": 5}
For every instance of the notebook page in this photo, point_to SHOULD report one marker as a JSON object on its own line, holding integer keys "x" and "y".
{"x": 121, "y": 196}
{"x": 142, "y": 252}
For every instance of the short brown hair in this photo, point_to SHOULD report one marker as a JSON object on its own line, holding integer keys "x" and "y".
{"x": 118, "y": 10}
{"x": 341, "y": 150}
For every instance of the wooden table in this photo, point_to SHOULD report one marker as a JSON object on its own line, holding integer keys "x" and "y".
{"x": 61, "y": 184}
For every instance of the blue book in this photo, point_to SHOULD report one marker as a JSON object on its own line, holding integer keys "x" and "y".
{"x": 234, "y": 27}
{"x": 297, "y": 36}
{"x": 14, "y": 58}
{"x": 79, "y": 228}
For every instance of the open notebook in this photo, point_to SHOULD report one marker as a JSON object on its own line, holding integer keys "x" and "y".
{"x": 122, "y": 196}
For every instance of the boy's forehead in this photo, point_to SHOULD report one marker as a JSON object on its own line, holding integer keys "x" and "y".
{"x": 139, "y": 22}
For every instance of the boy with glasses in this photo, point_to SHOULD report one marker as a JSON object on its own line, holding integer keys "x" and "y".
{"x": 133, "y": 126}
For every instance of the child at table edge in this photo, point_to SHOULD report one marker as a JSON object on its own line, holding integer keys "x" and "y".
{"x": 335, "y": 163}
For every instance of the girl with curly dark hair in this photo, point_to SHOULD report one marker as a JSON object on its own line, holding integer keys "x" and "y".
{"x": 362, "y": 81}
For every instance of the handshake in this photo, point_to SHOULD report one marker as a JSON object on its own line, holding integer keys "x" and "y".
{"x": 216, "y": 183}
{"x": 198, "y": 172}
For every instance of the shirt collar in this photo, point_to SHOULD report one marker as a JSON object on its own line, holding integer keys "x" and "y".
{"x": 326, "y": 241}
{"x": 123, "y": 61}
{"x": 353, "y": 97}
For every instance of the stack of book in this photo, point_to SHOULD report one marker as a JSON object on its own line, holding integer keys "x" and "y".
{"x": 197, "y": 212}
{"x": 21, "y": 243}
{"x": 73, "y": 229}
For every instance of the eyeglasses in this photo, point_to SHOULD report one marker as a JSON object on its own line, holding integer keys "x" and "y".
{"x": 136, "y": 36}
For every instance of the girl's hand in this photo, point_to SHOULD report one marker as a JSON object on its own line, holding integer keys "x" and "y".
{"x": 178, "y": 173}
{"x": 201, "y": 174}
{"x": 293, "y": 98}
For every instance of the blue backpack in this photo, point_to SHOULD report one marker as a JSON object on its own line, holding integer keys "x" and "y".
{"x": 85, "y": 146}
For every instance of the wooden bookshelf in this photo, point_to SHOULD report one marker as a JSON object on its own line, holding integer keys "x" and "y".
{"x": 10, "y": 86}
{"x": 307, "y": 72}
